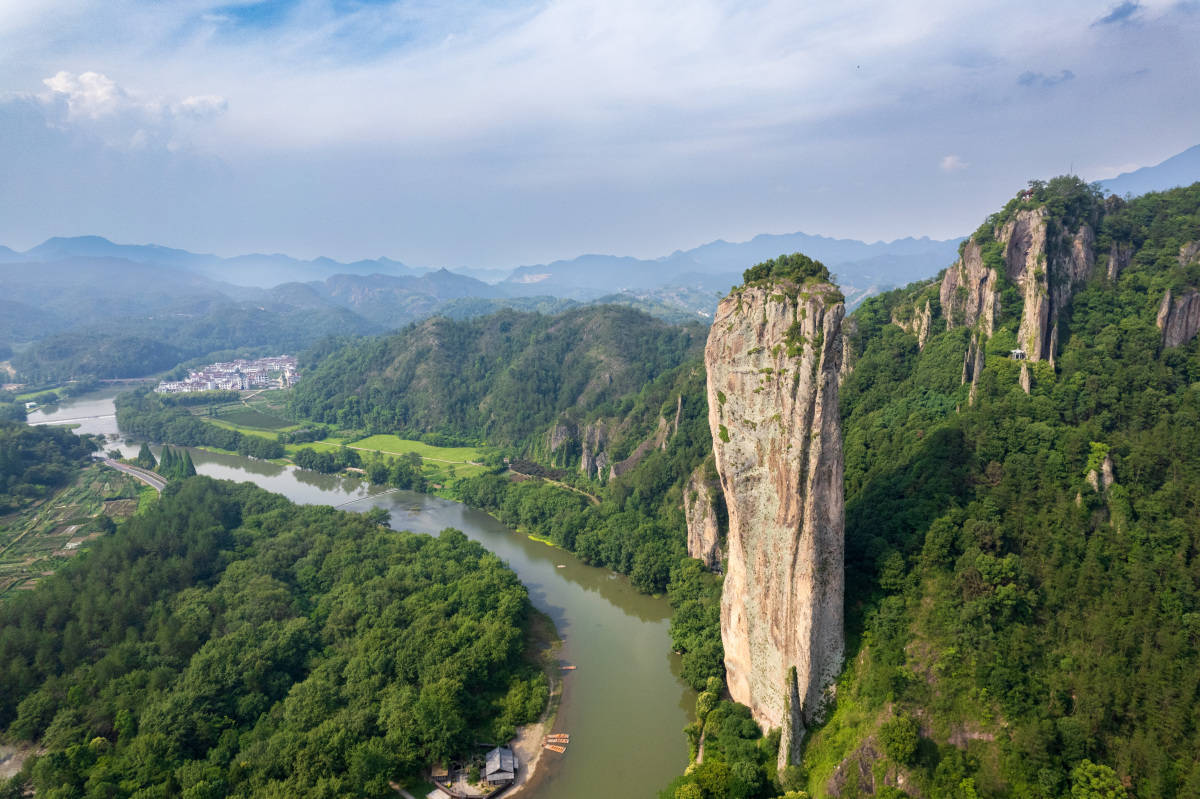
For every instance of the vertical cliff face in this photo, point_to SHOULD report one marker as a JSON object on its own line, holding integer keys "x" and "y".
{"x": 700, "y": 510}
{"x": 969, "y": 293}
{"x": 1048, "y": 272}
{"x": 594, "y": 459}
{"x": 1046, "y": 268}
{"x": 773, "y": 359}
{"x": 1179, "y": 318}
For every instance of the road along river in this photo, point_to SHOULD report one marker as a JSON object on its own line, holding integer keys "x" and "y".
{"x": 625, "y": 706}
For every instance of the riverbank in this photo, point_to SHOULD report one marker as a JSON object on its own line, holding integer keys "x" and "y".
{"x": 545, "y": 646}
{"x": 619, "y": 638}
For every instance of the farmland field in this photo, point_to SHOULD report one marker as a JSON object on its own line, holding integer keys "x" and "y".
{"x": 37, "y": 540}
{"x": 394, "y": 445}
{"x": 242, "y": 416}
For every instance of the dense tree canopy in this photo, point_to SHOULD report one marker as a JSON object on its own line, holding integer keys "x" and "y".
{"x": 500, "y": 379}
{"x": 1002, "y": 585}
{"x": 230, "y": 643}
{"x": 797, "y": 267}
{"x": 36, "y": 460}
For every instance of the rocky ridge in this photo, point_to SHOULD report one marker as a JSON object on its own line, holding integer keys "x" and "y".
{"x": 773, "y": 360}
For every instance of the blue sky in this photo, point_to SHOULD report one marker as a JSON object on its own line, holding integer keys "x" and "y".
{"x": 496, "y": 134}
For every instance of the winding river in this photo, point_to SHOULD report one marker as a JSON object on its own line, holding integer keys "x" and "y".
{"x": 625, "y": 706}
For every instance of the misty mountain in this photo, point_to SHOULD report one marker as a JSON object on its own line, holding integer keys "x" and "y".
{"x": 1178, "y": 170}
{"x": 83, "y": 290}
{"x": 861, "y": 268}
{"x": 242, "y": 270}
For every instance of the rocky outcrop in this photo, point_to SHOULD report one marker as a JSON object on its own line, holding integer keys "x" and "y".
{"x": 969, "y": 293}
{"x": 1047, "y": 272}
{"x": 918, "y": 324}
{"x": 562, "y": 442}
{"x": 594, "y": 461}
{"x": 849, "y": 331}
{"x": 701, "y": 498}
{"x": 1179, "y": 318}
{"x": 1046, "y": 269}
{"x": 1189, "y": 252}
{"x": 1026, "y": 379}
{"x": 657, "y": 440}
{"x": 1119, "y": 258}
{"x": 1105, "y": 477}
{"x": 773, "y": 358}
{"x": 973, "y": 363}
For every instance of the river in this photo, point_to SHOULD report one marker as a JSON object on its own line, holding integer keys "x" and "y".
{"x": 625, "y": 706}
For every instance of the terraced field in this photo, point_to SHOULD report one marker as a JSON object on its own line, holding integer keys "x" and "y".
{"x": 36, "y": 541}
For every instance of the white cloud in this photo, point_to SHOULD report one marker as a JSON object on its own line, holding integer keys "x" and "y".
{"x": 92, "y": 103}
{"x": 952, "y": 163}
{"x": 202, "y": 106}
{"x": 621, "y": 125}
{"x": 88, "y": 95}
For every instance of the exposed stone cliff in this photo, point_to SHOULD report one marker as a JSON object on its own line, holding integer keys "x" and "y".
{"x": 1046, "y": 267}
{"x": 657, "y": 440}
{"x": 1048, "y": 272}
{"x": 1179, "y": 318}
{"x": 594, "y": 459}
{"x": 701, "y": 509}
{"x": 773, "y": 358}
{"x": 918, "y": 324}
{"x": 968, "y": 294}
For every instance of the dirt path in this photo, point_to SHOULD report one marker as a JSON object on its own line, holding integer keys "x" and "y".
{"x": 594, "y": 499}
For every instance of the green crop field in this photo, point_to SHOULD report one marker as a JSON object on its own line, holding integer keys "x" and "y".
{"x": 394, "y": 445}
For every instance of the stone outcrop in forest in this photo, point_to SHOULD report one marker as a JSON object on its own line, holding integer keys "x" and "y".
{"x": 968, "y": 293}
{"x": 594, "y": 460}
{"x": 918, "y": 324}
{"x": 1179, "y": 318}
{"x": 1046, "y": 268}
{"x": 702, "y": 505}
{"x": 773, "y": 359}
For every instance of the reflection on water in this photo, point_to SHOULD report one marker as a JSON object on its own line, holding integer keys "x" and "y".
{"x": 624, "y": 707}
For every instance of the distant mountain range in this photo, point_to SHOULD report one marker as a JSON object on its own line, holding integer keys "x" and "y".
{"x": 715, "y": 266}
{"x": 66, "y": 283}
{"x": 245, "y": 270}
{"x": 1178, "y": 170}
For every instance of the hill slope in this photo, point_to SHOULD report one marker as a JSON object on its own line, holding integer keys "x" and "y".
{"x": 503, "y": 378}
{"x": 1023, "y": 557}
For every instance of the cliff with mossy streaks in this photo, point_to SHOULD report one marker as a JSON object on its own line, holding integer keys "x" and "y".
{"x": 773, "y": 359}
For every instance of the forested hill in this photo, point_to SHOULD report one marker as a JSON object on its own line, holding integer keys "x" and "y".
{"x": 501, "y": 378}
{"x": 230, "y": 643}
{"x": 36, "y": 460}
{"x": 1023, "y": 536}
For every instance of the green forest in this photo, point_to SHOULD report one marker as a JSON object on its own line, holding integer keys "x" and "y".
{"x": 229, "y": 643}
{"x": 501, "y": 378}
{"x": 35, "y": 461}
{"x": 1018, "y": 626}
{"x": 997, "y": 597}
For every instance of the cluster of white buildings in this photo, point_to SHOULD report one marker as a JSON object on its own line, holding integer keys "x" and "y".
{"x": 278, "y": 371}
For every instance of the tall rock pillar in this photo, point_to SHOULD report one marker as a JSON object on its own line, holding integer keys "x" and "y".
{"x": 773, "y": 358}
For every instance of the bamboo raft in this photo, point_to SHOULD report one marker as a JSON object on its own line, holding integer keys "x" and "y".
{"x": 558, "y": 737}
{"x": 555, "y": 748}
{"x": 569, "y": 668}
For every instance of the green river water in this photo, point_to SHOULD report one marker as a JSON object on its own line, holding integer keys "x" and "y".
{"x": 625, "y": 706}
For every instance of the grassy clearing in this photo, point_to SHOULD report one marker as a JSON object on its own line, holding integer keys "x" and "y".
{"x": 394, "y": 445}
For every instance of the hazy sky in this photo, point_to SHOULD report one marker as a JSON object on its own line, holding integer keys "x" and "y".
{"x": 494, "y": 133}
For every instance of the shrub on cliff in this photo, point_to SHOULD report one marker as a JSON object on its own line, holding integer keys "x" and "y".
{"x": 797, "y": 266}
